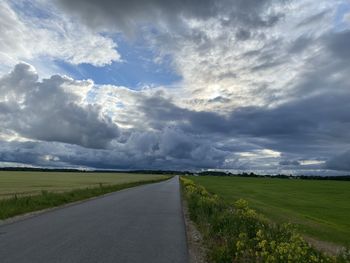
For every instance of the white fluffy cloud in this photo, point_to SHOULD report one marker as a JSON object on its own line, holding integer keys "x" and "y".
{"x": 53, "y": 109}
{"x": 53, "y": 36}
{"x": 229, "y": 53}
{"x": 227, "y": 62}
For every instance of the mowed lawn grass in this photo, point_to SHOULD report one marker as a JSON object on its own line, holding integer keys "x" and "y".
{"x": 319, "y": 209}
{"x": 24, "y": 183}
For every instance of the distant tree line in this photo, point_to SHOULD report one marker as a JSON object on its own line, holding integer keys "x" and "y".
{"x": 174, "y": 172}
{"x": 282, "y": 176}
{"x": 35, "y": 169}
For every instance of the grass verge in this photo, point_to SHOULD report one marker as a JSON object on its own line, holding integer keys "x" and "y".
{"x": 20, "y": 205}
{"x": 236, "y": 233}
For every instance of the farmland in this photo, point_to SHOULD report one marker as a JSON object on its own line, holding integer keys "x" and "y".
{"x": 32, "y": 183}
{"x": 24, "y": 192}
{"x": 319, "y": 209}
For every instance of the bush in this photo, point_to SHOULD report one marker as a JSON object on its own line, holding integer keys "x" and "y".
{"x": 236, "y": 233}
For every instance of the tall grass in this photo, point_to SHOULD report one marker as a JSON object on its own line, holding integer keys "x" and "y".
{"x": 21, "y": 205}
{"x": 236, "y": 233}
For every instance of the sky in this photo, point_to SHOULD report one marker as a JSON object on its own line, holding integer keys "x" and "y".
{"x": 237, "y": 85}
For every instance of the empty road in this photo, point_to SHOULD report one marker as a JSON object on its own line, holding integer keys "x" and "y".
{"x": 141, "y": 224}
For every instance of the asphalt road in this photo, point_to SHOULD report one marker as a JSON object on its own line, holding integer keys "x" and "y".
{"x": 141, "y": 224}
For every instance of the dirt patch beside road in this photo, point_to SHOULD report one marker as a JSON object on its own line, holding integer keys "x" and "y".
{"x": 196, "y": 248}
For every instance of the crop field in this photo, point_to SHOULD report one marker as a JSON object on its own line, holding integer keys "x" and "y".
{"x": 32, "y": 183}
{"x": 319, "y": 209}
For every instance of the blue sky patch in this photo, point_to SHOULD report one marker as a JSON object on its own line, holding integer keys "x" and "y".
{"x": 137, "y": 68}
{"x": 342, "y": 10}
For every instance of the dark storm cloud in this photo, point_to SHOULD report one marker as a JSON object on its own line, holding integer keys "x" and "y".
{"x": 25, "y": 152}
{"x": 127, "y": 15}
{"x": 315, "y": 121}
{"x": 288, "y": 162}
{"x": 339, "y": 44}
{"x": 311, "y": 117}
{"x": 339, "y": 162}
{"x": 314, "y": 126}
{"x": 161, "y": 112}
{"x": 169, "y": 149}
{"x": 43, "y": 110}
{"x": 318, "y": 119}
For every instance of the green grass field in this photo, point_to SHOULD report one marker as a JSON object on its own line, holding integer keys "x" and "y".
{"x": 320, "y": 209}
{"x": 32, "y": 183}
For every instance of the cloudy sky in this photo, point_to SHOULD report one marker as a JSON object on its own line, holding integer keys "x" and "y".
{"x": 241, "y": 85}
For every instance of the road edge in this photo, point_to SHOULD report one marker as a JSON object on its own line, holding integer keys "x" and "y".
{"x": 195, "y": 246}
